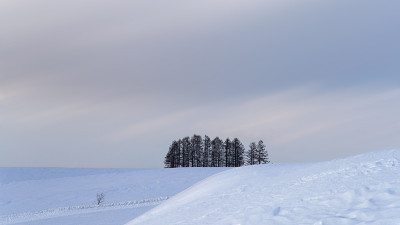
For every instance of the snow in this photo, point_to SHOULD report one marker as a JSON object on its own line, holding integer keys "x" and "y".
{"x": 48, "y": 196}
{"x": 363, "y": 189}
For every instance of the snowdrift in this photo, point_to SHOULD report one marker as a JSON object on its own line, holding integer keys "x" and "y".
{"x": 363, "y": 189}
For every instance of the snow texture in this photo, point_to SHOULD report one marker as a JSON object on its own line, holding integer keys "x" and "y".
{"x": 48, "y": 196}
{"x": 363, "y": 189}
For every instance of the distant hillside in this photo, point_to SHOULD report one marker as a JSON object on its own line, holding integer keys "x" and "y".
{"x": 48, "y": 196}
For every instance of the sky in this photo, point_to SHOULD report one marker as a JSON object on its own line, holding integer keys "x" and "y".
{"x": 112, "y": 83}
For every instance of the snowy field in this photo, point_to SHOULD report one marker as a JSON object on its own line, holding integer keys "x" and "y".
{"x": 363, "y": 189}
{"x": 49, "y": 196}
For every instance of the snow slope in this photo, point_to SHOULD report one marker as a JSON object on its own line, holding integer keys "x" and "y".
{"x": 49, "y": 196}
{"x": 363, "y": 189}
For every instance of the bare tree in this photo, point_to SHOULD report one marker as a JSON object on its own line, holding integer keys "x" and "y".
{"x": 261, "y": 153}
{"x": 196, "y": 152}
{"x": 217, "y": 150}
{"x": 251, "y": 154}
{"x": 100, "y": 198}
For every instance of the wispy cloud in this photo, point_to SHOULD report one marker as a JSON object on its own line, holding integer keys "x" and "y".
{"x": 163, "y": 123}
{"x": 105, "y": 76}
{"x": 292, "y": 118}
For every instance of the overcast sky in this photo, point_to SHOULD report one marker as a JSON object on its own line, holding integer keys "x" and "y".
{"x": 111, "y": 83}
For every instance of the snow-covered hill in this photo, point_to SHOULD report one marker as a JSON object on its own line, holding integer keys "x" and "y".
{"x": 363, "y": 189}
{"x": 48, "y": 196}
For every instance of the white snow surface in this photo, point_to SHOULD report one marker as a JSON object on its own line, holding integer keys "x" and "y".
{"x": 63, "y": 196}
{"x": 363, "y": 189}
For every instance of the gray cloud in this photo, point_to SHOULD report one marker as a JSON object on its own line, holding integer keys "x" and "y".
{"x": 79, "y": 79}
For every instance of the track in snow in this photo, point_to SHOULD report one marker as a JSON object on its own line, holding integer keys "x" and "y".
{"x": 73, "y": 210}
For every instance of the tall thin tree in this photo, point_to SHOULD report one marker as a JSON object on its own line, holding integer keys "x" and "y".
{"x": 197, "y": 150}
{"x": 251, "y": 154}
{"x": 261, "y": 153}
{"x": 237, "y": 153}
{"x": 176, "y": 146}
{"x": 206, "y": 151}
{"x": 217, "y": 148}
{"x": 169, "y": 158}
{"x": 227, "y": 153}
{"x": 186, "y": 148}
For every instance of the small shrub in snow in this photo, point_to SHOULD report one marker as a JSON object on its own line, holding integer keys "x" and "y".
{"x": 100, "y": 198}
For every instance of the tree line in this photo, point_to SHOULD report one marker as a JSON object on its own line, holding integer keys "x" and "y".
{"x": 197, "y": 151}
